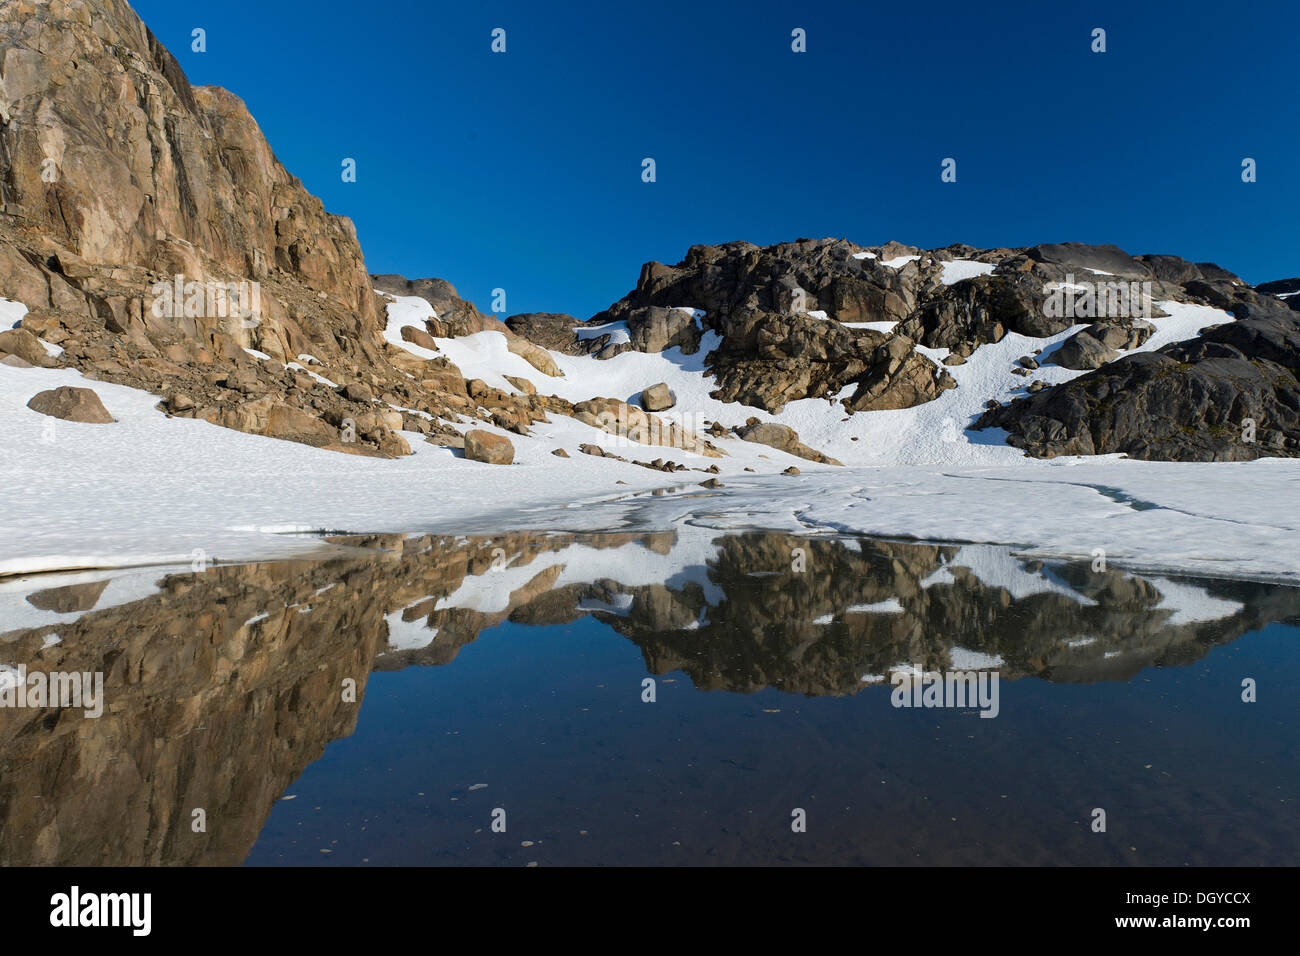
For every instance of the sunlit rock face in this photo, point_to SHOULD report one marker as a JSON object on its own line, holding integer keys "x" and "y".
{"x": 221, "y": 686}
{"x": 113, "y": 160}
{"x": 155, "y": 239}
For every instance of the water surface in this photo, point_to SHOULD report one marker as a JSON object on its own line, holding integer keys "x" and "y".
{"x": 384, "y": 707}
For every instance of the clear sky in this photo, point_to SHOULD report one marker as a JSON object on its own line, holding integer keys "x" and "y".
{"x": 523, "y": 170}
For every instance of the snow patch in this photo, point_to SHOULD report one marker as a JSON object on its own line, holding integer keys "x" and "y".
{"x": 959, "y": 269}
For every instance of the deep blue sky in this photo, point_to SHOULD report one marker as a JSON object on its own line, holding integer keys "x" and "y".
{"x": 523, "y": 170}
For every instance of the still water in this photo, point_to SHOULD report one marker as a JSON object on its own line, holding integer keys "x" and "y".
{"x": 686, "y": 697}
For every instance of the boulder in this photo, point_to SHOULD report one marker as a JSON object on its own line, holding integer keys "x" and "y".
{"x": 1083, "y": 352}
{"x": 487, "y": 447}
{"x": 655, "y": 329}
{"x": 534, "y": 355}
{"x": 357, "y": 392}
{"x": 1121, "y": 336}
{"x": 658, "y": 398}
{"x": 525, "y": 386}
{"x": 898, "y": 377}
{"x": 446, "y": 440}
{"x": 419, "y": 337}
{"x": 72, "y": 405}
{"x": 24, "y": 345}
{"x": 783, "y": 438}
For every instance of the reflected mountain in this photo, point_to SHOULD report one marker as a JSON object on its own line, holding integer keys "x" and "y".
{"x": 222, "y": 686}
{"x": 824, "y": 616}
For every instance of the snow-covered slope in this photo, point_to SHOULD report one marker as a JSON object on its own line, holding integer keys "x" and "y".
{"x": 152, "y": 489}
{"x": 933, "y": 433}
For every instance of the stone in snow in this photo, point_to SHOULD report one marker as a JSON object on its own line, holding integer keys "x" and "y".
{"x": 484, "y": 446}
{"x": 71, "y": 404}
{"x": 658, "y": 398}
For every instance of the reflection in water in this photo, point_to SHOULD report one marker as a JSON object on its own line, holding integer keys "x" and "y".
{"x": 223, "y": 686}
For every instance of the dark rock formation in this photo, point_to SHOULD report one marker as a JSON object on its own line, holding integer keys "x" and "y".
{"x": 780, "y": 312}
{"x": 1288, "y": 290}
{"x": 1084, "y": 351}
{"x": 1231, "y": 394}
{"x": 789, "y": 317}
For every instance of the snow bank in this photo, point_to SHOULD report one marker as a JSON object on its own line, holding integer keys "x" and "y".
{"x": 959, "y": 269}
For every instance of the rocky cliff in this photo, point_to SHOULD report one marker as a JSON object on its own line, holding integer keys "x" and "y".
{"x": 156, "y": 239}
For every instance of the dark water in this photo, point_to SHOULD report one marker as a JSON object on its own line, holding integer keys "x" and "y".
{"x": 519, "y": 662}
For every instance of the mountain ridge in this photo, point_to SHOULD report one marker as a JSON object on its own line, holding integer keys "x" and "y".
{"x": 118, "y": 176}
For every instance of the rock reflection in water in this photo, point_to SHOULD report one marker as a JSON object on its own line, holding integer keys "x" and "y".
{"x": 223, "y": 686}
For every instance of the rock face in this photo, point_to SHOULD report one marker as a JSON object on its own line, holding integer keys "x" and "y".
{"x": 144, "y": 170}
{"x": 1288, "y": 290}
{"x": 72, "y": 405}
{"x": 899, "y": 377}
{"x": 151, "y": 232}
{"x": 985, "y": 308}
{"x": 1231, "y": 394}
{"x": 780, "y": 312}
{"x": 484, "y": 446}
